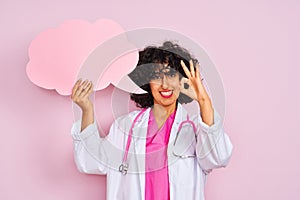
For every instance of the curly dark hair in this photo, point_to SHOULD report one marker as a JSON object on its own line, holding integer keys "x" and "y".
{"x": 170, "y": 53}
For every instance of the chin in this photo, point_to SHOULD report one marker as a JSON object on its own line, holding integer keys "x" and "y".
{"x": 167, "y": 103}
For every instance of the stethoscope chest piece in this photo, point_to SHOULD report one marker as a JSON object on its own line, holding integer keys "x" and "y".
{"x": 123, "y": 168}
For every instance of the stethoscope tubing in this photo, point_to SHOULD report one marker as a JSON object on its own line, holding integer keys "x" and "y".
{"x": 123, "y": 168}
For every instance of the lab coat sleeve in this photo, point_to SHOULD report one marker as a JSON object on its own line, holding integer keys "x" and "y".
{"x": 213, "y": 147}
{"x": 89, "y": 153}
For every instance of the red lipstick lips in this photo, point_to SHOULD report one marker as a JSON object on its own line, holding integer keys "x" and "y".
{"x": 166, "y": 94}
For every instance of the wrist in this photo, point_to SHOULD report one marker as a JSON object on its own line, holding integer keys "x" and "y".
{"x": 203, "y": 98}
{"x": 88, "y": 109}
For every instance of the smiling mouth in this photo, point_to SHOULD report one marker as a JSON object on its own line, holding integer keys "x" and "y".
{"x": 166, "y": 94}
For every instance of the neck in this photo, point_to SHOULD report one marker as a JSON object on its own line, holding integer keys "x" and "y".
{"x": 163, "y": 111}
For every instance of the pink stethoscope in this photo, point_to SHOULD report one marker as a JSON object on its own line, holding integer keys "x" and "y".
{"x": 123, "y": 168}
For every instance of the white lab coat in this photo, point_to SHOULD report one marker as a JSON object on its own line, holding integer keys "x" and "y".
{"x": 187, "y": 176}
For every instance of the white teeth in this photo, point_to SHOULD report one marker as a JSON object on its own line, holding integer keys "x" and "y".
{"x": 166, "y": 93}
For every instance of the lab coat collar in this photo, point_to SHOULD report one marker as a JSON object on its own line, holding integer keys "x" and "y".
{"x": 140, "y": 129}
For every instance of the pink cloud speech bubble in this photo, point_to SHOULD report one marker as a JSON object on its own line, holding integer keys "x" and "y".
{"x": 57, "y": 56}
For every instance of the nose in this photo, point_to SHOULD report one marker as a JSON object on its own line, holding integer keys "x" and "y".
{"x": 164, "y": 82}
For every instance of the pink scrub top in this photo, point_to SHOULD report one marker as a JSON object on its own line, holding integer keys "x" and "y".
{"x": 157, "y": 177}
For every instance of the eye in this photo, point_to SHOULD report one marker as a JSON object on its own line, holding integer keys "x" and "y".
{"x": 155, "y": 76}
{"x": 171, "y": 74}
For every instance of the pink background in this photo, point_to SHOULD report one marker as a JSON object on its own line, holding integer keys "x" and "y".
{"x": 255, "y": 46}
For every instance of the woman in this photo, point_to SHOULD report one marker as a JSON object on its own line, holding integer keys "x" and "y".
{"x": 165, "y": 153}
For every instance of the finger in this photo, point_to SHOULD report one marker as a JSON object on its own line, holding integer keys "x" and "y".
{"x": 198, "y": 74}
{"x": 192, "y": 68}
{"x": 89, "y": 91}
{"x": 85, "y": 84}
{"x": 75, "y": 87}
{"x": 185, "y": 69}
{"x": 80, "y": 89}
{"x": 85, "y": 88}
{"x": 197, "y": 70}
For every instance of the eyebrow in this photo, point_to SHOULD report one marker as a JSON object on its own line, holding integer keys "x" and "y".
{"x": 164, "y": 68}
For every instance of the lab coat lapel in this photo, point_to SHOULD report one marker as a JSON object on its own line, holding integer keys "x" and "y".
{"x": 140, "y": 132}
{"x": 139, "y": 142}
{"x": 179, "y": 117}
{"x": 180, "y": 113}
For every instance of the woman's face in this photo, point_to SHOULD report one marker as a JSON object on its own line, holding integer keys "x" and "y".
{"x": 165, "y": 86}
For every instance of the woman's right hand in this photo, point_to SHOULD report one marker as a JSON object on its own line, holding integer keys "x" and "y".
{"x": 81, "y": 93}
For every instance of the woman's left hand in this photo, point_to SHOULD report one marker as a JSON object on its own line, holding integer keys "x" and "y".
{"x": 197, "y": 92}
{"x": 196, "y": 89}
